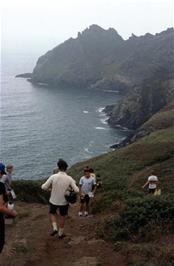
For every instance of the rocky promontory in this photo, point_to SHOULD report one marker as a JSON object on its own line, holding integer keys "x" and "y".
{"x": 102, "y": 59}
{"x": 141, "y": 68}
{"x": 143, "y": 101}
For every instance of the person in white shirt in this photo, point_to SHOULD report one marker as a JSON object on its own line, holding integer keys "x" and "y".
{"x": 7, "y": 179}
{"x": 152, "y": 183}
{"x": 87, "y": 190}
{"x": 58, "y": 184}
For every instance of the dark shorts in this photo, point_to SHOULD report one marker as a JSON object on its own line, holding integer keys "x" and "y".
{"x": 85, "y": 199}
{"x": 2, "y": 232}
{"x": 152, "y": 190}
{"x": 63, "y": 209}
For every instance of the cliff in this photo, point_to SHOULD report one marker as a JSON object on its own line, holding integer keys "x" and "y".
{"x": 143, "y": 101}
{"x": 100, "y": 58}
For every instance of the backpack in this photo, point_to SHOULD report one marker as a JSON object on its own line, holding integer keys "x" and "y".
{"x": 157, "y": 192}
{"x": 71, "y": 197}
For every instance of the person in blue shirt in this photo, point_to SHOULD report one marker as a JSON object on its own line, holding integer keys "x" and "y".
{"x": 87, "y": 189}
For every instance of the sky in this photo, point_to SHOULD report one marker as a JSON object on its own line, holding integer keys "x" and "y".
{"x": 39, "y": 25}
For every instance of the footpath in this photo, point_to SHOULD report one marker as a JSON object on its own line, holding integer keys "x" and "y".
{"x": 28, "y": 241}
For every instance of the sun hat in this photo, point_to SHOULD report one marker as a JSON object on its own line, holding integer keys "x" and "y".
{"x": 2, "y": 168}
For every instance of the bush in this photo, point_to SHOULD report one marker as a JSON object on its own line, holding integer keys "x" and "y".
{"x": 143, "y": 219}
{"x": 30, "y": 191}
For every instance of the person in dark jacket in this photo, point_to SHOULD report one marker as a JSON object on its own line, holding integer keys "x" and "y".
{"x": 3, "y": 207}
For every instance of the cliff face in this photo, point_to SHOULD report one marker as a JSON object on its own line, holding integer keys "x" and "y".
{"x": 140, "y": 67}
{"x": 143, "y": 101}
{"x": 102, "y": 59}
{"x": 80, "y": 61}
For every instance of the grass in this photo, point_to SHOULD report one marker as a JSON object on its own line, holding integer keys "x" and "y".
{"x": 124, "y": 171}
{"x": 161, "y": 120}
{"x": 133, "y": 220}
{"x": 30, "y": 191}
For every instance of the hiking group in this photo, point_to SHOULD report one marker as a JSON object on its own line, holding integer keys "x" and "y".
{"x": 63, "y": 192}
{"x": 60, "y": 184}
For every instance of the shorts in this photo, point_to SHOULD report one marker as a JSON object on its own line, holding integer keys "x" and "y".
{"x": 85, "y": 199}
{"x": 2, "y": 232}
{"x": 152, "y": 190}
{"x": 63, "y": 209}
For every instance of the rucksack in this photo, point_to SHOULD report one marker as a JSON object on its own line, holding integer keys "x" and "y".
{"x": 71, "y": 197}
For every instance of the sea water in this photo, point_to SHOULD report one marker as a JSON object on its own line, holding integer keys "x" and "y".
{"x": 40, "y": 124}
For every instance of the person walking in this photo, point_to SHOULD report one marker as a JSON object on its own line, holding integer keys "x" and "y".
{"x": 3, "y": 207}
{"x": 152, "y": 183}
{"x": 59, "y": 184}
{"x": 7, "y": 180}
{"x": 87, "y": 190}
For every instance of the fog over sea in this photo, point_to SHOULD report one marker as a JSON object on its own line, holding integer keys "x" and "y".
{"x": 40, "y": 124}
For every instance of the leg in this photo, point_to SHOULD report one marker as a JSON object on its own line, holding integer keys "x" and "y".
{"x": 53, "y": 219}
{"x": 86, "y": 205}
{"x": 62, "y": 222}
{"x": 63, "y": 210}
{"x": 2, "y": 233}
{"x": 82, "y": 206}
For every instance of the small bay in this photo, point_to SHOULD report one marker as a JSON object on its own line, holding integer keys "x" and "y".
{"x": 41, "y": 124}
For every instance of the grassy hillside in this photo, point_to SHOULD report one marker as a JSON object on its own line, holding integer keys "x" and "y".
{"x": 125, "y": 170}
{"x": 162, "y": 119}
{"x": 141, "y": 226}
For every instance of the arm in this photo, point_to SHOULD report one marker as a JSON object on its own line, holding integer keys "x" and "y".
{"x": 145, "y": 184}
{"x": 94, "y": 187}
{"x": 80, "y": 187}
{"x": 5, "y": 210}
{"x": 47, "y": 184}
{"x": 74, "y": 187}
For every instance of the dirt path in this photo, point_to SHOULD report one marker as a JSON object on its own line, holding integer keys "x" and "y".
{"x": 29, "y": 242}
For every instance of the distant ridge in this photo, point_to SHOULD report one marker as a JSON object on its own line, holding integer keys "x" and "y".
{"x": 140, "y": 67}
{"x": 101, "y": 58}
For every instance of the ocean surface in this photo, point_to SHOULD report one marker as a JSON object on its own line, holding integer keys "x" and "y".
{"x": 40, "y": 124}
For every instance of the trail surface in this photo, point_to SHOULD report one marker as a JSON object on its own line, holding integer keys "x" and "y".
{"x": 28, "y": 241}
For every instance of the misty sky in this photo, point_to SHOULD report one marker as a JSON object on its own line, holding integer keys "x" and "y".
{"x": 38, "y": 25}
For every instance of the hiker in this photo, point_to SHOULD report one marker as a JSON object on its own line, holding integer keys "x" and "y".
{"x": 152, "y": 183}
{"x": 87, "y": 190}
{"x": 98, "y": 181}
{"x": 59, "y": 184}
{"x": 92, "y": 174}
{"x": 7, "y": 180}
{"x": 3, "y": 207}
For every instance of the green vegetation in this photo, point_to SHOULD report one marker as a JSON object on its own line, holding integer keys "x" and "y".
{"x": 138, "y": 223}
{"x": 142, "y": 219}
{"x": 30, "y": 191}
{"x": 124, "y": 171}
{"x": 162, "y": 119}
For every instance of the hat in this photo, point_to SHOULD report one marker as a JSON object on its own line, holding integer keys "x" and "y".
{"x": 2, "y": 168}
{"x": 153, "y": 178}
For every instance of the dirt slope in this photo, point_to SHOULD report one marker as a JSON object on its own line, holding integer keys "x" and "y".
{"x": 28, "y": 241}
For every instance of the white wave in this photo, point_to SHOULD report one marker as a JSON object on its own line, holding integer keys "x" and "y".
{"x": 111, "y": 91}
{"x": 104, "y": 120}
{"x": 101, "y": 128}
{"x": 100, "y": 109}
{"x": 85, "y": 112}
{"x": 87, "y": 150}
{"x": 122, "y": 128}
